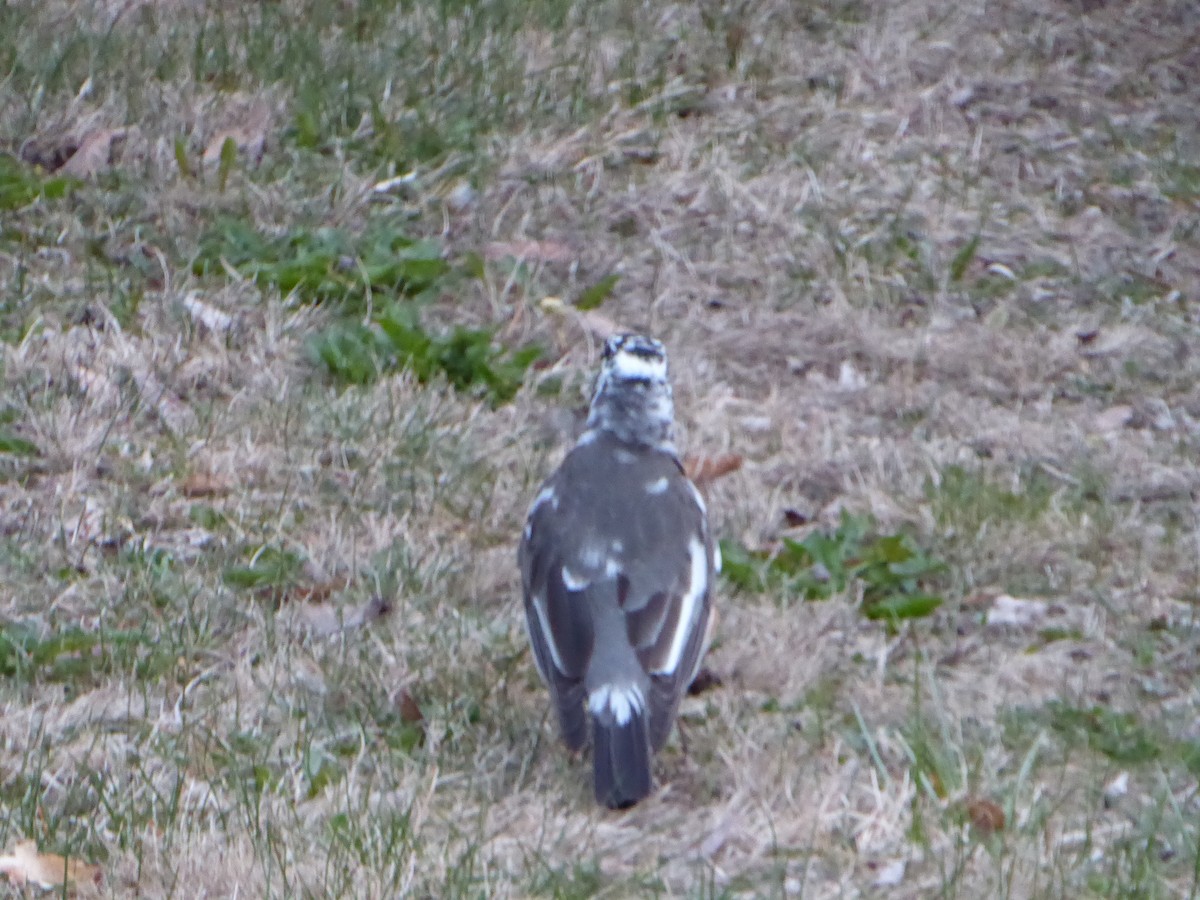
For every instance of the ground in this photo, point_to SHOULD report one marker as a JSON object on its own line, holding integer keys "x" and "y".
{"x": 929, "y": 271}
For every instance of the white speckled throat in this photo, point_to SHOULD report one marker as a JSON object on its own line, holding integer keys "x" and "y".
{"x": 633, "y": 393}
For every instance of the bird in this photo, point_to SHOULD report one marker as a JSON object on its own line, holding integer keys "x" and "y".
{"x": 617, "y": 568}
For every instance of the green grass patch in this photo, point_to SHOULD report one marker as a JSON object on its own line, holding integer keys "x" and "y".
{"x": 1117, "y": 735}
{"x": 1180, "y": 180}
{"x": 75, "y": 655}
{"x": 20, "y": 184}
{"x": 468, "y": 358}
{"x": 382, "y": 263}
{"x": 15, "y": 445}
{"x": 267, "y": 569}
{"x": 576, "y": 881}
{"x": 1120, "y": 736}
{"x": 325, "y": 264}
{"x": 592, "y": 297}
{"x": 963, "y": 258}
{"x": 893, "y": 569}
{"x": 965, "y": 501}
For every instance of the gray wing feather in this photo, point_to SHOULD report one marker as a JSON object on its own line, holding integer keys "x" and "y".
{"x": 603, "y": 526}
{"x": 560, "y": 632}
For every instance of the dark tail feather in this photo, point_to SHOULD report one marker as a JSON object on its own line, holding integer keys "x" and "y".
{"x": 621, "y": 758}
{"x": 572, "y": 718}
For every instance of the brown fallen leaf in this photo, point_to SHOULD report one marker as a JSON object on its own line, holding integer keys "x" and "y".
{"x": 412, "y": 732}
{"x": 47, "y": 870}
{"x": 203, "y": 484}
{"x": 410, "y": 710}
{"x": 325, "y": 619}
{"x": 985, "y": 815}
{"x": 47, "y": 154}
{"x": 706, "y": 469}
{"x": 314, "y": 592}
{"x": 249, "y": 135}
{"x": 95, "y": 152}
{"x": 794, "y": 518}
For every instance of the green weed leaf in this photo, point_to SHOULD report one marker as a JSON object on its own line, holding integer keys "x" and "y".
{"x": 20, "y": 185}
{"x": 227, "y": 162}
{"x": 891, "y": 568}
{"x": 17, "y": 446}
{"x": 592, "y": 297}
{"x": 962, "y": 259}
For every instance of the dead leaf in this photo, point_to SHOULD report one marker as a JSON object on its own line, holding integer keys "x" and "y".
{"x": 985, "y": 815}
{"x": 49, "y": 155}
{"x": 249, "y": 135}
{"x": 410, "y": 710}
{"x": 316, "y": 592}
{"x": 325, "y": 619}
{"x": 95, "y": 152}
{"x": 794, "y": 518}
{"x": 48, "y": 871}
{"x": 413, "y": 731}
{"x": 706, "y": 469}
{"x": 203, "y": 484}
{"x": 540, "y": 251}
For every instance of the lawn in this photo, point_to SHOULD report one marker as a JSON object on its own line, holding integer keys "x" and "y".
{"x": 300, "y": 301}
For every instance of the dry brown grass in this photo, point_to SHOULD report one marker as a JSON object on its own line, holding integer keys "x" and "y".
{"x": 789, "y": 192}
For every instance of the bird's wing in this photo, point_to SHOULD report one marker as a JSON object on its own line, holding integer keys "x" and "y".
{"x": 666, "y": 597}
{"x": 560, "y": 631}
{"x": 640, "y": 535}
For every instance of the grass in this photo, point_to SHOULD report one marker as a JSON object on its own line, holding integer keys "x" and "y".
{"x": 889, "y": 569}
{"x": 286, "y": 357}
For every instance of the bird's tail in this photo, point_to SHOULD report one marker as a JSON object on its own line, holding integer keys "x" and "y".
{"x": 620, "y": 752}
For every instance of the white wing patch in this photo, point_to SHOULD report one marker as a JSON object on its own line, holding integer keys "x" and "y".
{"x": 539, "y": 607}
{"x": 657, "y": 486}
{"x": 574, "y": 582}
{"x": 716, "y": 556}
{"x": 699, "y": 500}
{"x": 692, "y": 602}
{"x": 621, "y": 700}
{"x": 545, "y": 495}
